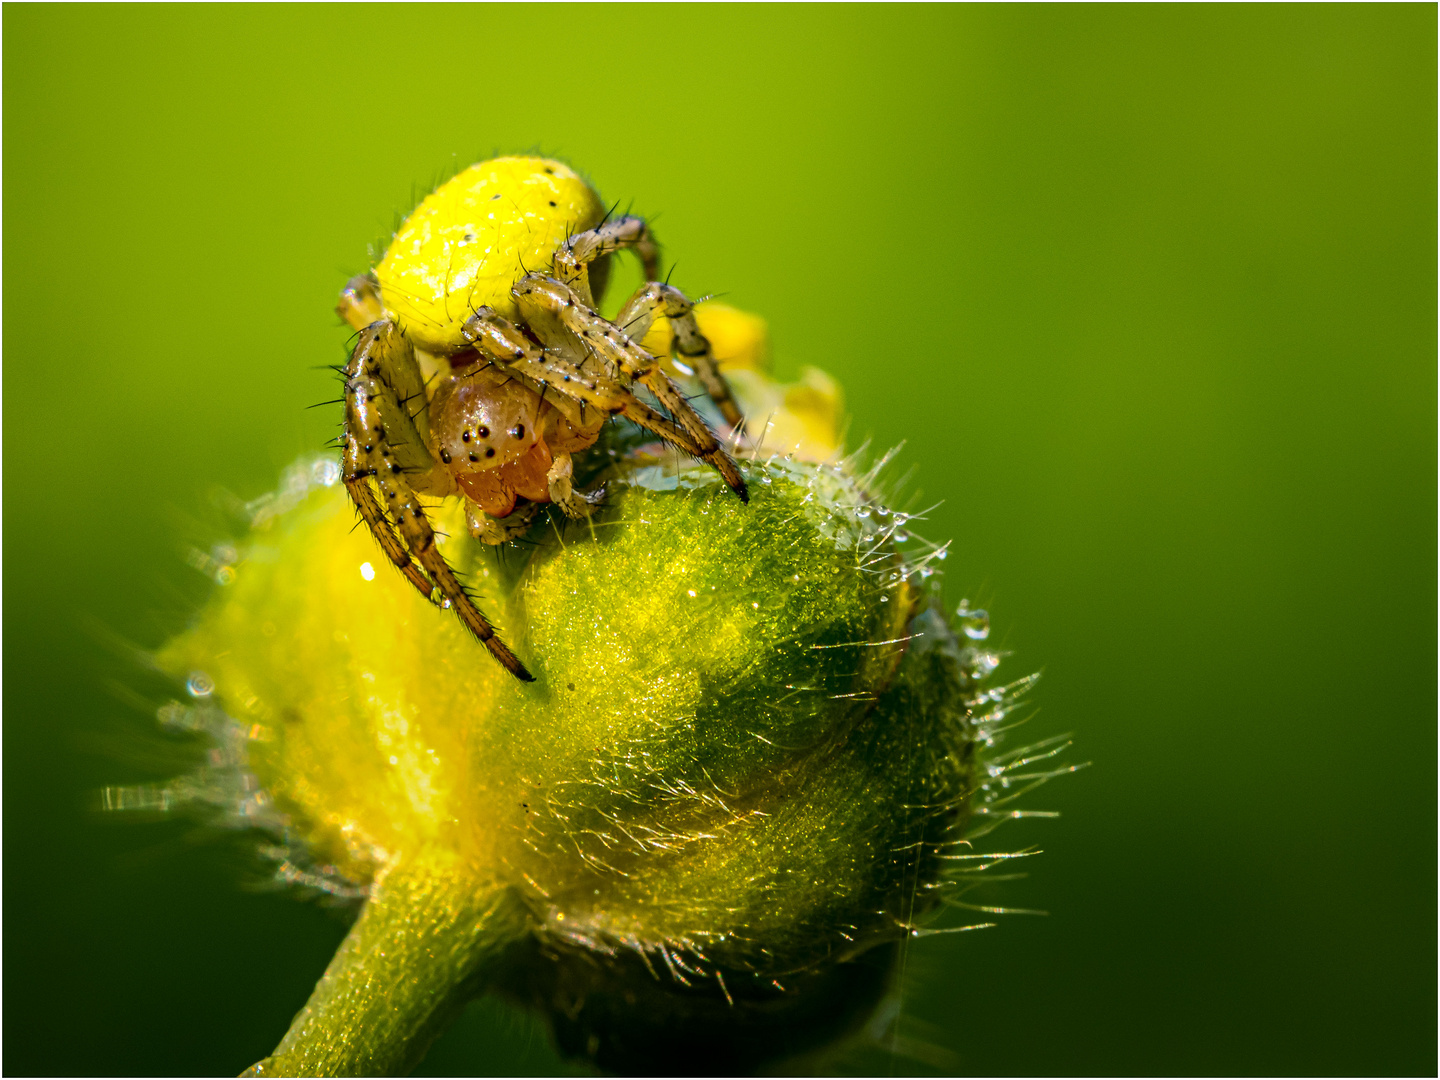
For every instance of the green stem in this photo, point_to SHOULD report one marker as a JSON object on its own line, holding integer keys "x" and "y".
{"x": 428, "y": 934}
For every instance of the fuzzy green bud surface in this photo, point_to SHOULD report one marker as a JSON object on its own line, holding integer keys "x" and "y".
{"x": 700, "y": 830}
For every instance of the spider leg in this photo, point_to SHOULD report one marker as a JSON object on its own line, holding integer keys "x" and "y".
{"x": 656, "y": 297}
{"x": 356, "y": 478}
{"x": 383, "y": 446}
{"x": 383, "y": 357}
{"x": 577, "y": 388}
{"x": 415, "y": 527}
{"x": 360, "y": 303}
{"x": 576, "y": 254}
{"x": 498, "y": 530}
{"x": 653, "y": 420}
{"x": 613, "y": 345}
{"x": 573, "y": 504}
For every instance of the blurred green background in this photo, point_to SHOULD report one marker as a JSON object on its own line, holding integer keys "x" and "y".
{"x": 1150, "y": 293}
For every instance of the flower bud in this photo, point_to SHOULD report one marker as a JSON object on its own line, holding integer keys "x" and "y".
{"x": 732, "y": 787}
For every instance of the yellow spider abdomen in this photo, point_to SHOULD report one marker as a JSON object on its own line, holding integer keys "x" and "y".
{"x": 474, "y": 237}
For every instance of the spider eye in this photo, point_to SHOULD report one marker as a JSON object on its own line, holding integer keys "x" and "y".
{"x": 445, "y": 455}
{"x": 465, "y": 435}
{"x": 484, "y": 432}
{"x": 518, "y": 431}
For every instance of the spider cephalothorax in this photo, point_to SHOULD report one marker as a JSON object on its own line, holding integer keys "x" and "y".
{"x": 472, "y": 376}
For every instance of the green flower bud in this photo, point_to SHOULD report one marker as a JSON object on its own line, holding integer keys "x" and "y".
{"x": 736, "y": 783}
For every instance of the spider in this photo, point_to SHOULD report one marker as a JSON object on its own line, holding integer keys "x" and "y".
{"x": 473, "y": 375}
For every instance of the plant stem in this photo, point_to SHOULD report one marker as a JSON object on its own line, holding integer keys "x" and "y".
{"x": 424, "y": 941}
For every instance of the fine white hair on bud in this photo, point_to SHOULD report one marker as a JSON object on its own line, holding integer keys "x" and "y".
{"x": 756, "y": 760}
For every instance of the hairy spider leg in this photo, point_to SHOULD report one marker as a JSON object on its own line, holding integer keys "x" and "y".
{"x": 499, "y": 340}
{"x": 575, "y": 390}
{"x": 360, "y": 306}
{"x": 572, "y": 260}
{"x": 606, "y": 340}
{"x": 360, "y": 303}
{"x": 584, "y": 248}
{"x": 357, "y": 481}
{"x": 687, "y": 341}
{"x": 574, "y": 504}
{"x": 387, "y": 449}
{"x": 498, "y": 530}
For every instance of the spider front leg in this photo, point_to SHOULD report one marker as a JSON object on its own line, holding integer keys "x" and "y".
{"x": 579, "y": 251}
{"x": 499, "y": 341}
{"x": 607, "y": 341}
{"x": 384, "y": 446}
{"x": 574, "y": 504}
{"x": 657, "y": 297}
{"x": 577, "y": 388}
{"x": 582, "y": 249}
{"x": 357, "y": 482}
{"x": 496, "y": 531}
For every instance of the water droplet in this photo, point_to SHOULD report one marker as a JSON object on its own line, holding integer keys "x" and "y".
{"x": 367, "y": 571}
{"x": 978, "y": 663}
{"x": 975, "y": 624}
{"x": 225, "y": 575}
{"x": 326, "y": 472}
{"x": 901, "y": 536}
{"x": 200, "y": 684}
